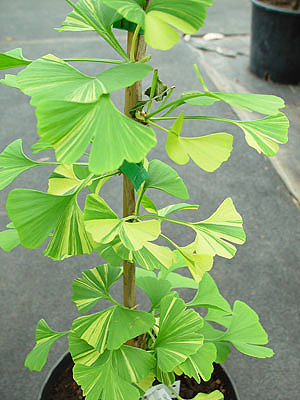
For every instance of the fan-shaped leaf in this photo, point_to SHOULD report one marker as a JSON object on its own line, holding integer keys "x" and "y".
{"x": 264, "y": 104}
{"x": 214, "y": 233}
{"x": 90, "y": 14}
{"x": 154, "y": 288}
{"x": 104, "y": 226}
{"x": 69, "y": 127}
{"x": 246, "y": 333}
{"x": 208, "y": 152}
{"x": 215, "y": 395}
{"x": 197, "y": 264}
{"x": 165, "y": 178}
{"x": 164, "y": 212}
{"x": 52, "y": 78}
{"x": 112, "y": 375}
{"x": 264, "y": 134}
{"x": 45, "y": 338}
{"x": 13, "y": 162}
{"x": 111, "y": 328}
{"x": 12, "y": 59}
{"x": 129, "y": 9}
{"x": 208, "y": 295}
{"x": 200, "y": 364}
{"x": 94, "y": 286}
{"x": 163, "y": 15}
{"x": 9, "y": 239}
{"x": 179, "y": 333}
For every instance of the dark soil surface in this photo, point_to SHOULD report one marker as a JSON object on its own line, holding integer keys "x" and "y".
{"x": 287, "y": 4}
{"x": 65, "y": 388}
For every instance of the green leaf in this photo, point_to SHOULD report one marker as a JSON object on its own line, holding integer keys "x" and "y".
{"x": 148, "y": 204}
{"x": 69, "y": 127}
{"x": 220, "y": 317}
{"x": 246, "y": 333}
{"x": 129, "y": 9}
{"x": 215, "y": 395}
{"x": 12, "y": 59}
{"x": 35, "y": 214}
{"x": 163, "y": 15}
{"x": 104, "y": 226}
{"x": 81, "y": 351}
{"x": 10, "y": 80}
{"x": 9, "y": 239}
{"x": 208, "y": 152}
{"x": 164, "y": 212}
{"x": 197, "y": 264}
{"x": 167, "y": 378}
{"x": 214, "y": 233}
{"x": 223, "y": 351}
{"x": 135, "y": 172}
{"x": 208, "y": 295}
{"x": 94, "y": 286}
{"x": 92, "y": 13}
{"x": 165, "y": 178}
{"x": 203, "y": 99}
{"x": 264, "y": 134}
{"x": 45, "y": 338}
{"x": 179, "y": 281}
{"x": 154, "y": 288}
{"x": 13, "y": 162}
{"x": 51, "y": 212}
{"x": 111, "y": 328}
{"x": 113, "y": 373}
{"x": 108, "y": 252}
{"x": 52, "y": 78}
{"x": 63, "y": 180}
{"x": 264, "y": 104}
{"x": 149, "y": 257}
{"x": 179, "y": 333}
{"x": 200, "y": 364}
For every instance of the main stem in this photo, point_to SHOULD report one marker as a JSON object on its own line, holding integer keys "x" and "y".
{"x": 132, "y": 95}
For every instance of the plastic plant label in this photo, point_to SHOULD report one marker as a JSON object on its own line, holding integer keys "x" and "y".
{"x": 161, "y": 392}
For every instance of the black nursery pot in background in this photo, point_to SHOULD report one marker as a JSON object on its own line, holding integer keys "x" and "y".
{"x": 275, "y": 43}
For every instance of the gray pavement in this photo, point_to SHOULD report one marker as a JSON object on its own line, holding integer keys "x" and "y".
{"x": 265, "y": 271}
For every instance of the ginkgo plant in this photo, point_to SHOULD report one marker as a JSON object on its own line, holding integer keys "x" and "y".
{"x": 120, "y": 351}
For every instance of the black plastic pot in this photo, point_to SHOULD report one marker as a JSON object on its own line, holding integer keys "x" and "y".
{"x": 66, "y": 362}
{"x": 275, "y": 43}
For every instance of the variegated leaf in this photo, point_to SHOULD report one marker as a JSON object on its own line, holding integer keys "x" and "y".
{"x": 179, "y": 333}
{"x": 94, "y": 286}
{"x": 52, "y": 78}
{"x": 214, "y": 233}
{"x": 111, "y": 328}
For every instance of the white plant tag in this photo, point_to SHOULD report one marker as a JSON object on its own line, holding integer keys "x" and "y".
{"x": 159, "y": 394}
{"x": 160, "y": 390}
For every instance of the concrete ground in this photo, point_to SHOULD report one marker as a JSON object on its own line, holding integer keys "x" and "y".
{"x": 265, "y": 271}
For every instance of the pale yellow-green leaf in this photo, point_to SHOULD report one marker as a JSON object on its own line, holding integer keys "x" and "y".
{"x": 214, "y": 233}
{"x": 63, "y": 180}
{"x": 208, "y": 152}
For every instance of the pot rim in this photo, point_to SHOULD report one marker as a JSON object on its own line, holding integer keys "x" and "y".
{"x": 65, "y": 359}
{"x": 275, "y": 9}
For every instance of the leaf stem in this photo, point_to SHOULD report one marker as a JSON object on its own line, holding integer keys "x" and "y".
{"x": 138, "y": 203}
{"x": 157, "y": 126}
{"x": 153, "y": 87}
{"x": 106, "y": 35}
{"x": 97, "y": 60}
{"x": 133, "y": 44}
{"x": 200, "y": 78}
{"x": 175, "y": 221}
{"x": 204, "y": 117}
